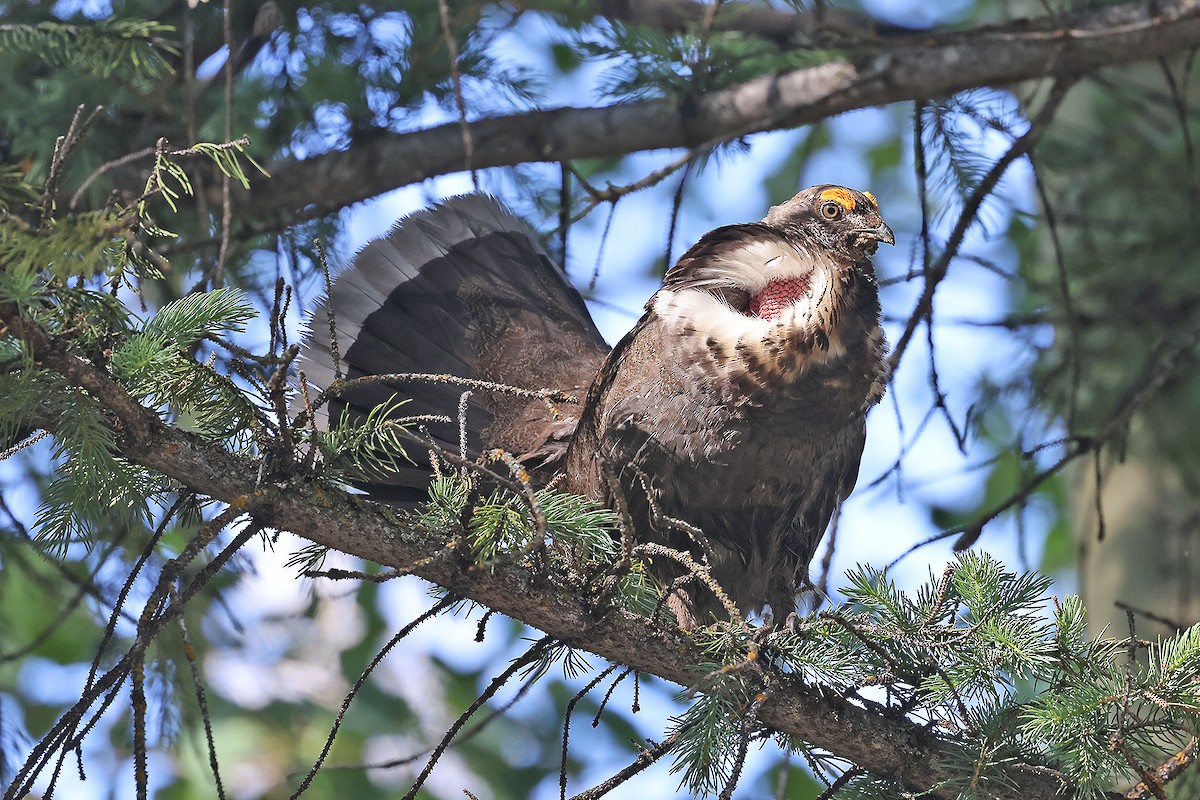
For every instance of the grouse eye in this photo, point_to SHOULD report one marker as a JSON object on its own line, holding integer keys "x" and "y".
{"x": 831, "y": 211}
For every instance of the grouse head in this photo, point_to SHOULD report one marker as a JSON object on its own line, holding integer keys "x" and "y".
{"x": 809, "y": 253}
{"x": 842, "y": 222}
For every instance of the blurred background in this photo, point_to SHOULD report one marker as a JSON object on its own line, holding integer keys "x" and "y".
{"x": 1043, "y": 412}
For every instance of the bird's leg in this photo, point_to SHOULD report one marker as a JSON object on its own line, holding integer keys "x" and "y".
{"x": 782, "y": 600}
{"x": 699, "y": 571}
{"x": 671, "y": 597}
{"x": 678, "y": 599}
{"x": 681, "y": 606}
{"x": 679, "y": 602}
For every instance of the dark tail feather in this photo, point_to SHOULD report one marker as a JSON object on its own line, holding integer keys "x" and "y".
{"x": 462, "y": 289}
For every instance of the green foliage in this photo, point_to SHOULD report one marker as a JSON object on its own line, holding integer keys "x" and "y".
{"x": 977, "y": 651}
{"x": 579, "y": 531}
{"x": 500, "y": 526}
{"x": 185, "y": 322}
{"x": 24, "y": 391}
{"x": 361, "y": 449}
{"x": 14, "y": 191}
{"x": 45, "y": 267}
{"x": 580, "y": 535}
{"x": 1126, "y": 226}
{"x": 1107, "y": 704}
{"x": 78, "y": 246}
{"x": 169, "y": 179}
{"x": 644, "y": 62}
{"x": 582, "y": 526}
{"x": 154, "y": 364}
{"x": 448, "y": 496}
{"x": 709, "y": 734}
{"x": 104, "y": 48}
{"x": 82, "y": 499}
{"x": 51, "y": 271}
{"x": 93, "y": 487}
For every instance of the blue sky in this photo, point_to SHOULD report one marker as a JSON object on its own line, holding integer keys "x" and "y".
{"x": 878, "y": 524}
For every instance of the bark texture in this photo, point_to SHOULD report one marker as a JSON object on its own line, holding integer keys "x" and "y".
{"x": 873, "y": 73}
{"x": 883, "y": 745}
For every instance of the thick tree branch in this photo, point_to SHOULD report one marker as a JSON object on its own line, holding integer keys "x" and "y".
{"x": 886, "y": 746}
{"x": 875, "y": 73}
{"x": 785, "y": 28}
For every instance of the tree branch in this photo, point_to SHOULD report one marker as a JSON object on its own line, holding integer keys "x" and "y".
{"x": 875, "y": 73}
{"x": 782, "y": 27}
{"x": 899, "y": 748}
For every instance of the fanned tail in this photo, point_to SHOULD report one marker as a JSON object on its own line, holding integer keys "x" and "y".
{"x": 462, "y": 289}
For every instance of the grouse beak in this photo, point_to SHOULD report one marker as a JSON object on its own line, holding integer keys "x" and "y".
{"x": 866, "y": 240}
{"x": 881, "y": 234}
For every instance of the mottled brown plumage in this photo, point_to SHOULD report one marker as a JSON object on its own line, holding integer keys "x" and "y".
{"x": 749, "y": 429}
{"x": 736, "y": 404}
